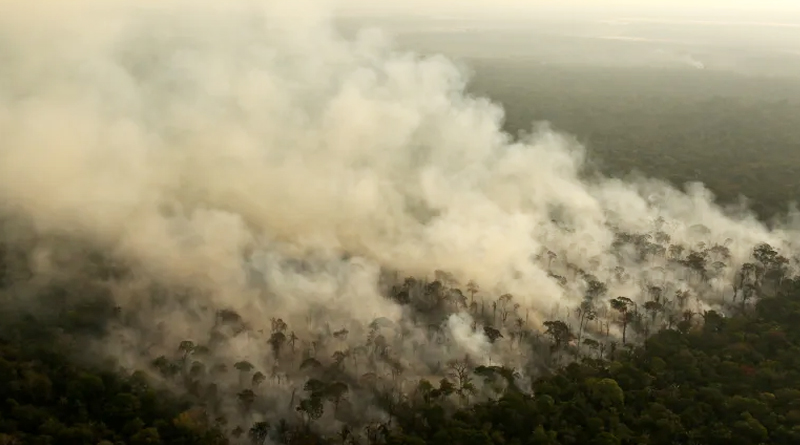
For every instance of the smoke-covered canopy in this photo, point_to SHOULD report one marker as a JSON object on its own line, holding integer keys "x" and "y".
{"x": 247, "y": 155}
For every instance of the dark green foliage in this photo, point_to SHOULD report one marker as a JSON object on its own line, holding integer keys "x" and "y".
{"x": 704, "y": 378}
{"x": 704, "y": 386}
{"x": 46, "y": 398}
{"x": 730, "y": 380}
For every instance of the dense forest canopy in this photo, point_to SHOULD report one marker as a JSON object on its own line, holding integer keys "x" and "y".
{"x": 230, "y": 224}
{"x": 640, "y": 105}
{"x": 734, "y": 133}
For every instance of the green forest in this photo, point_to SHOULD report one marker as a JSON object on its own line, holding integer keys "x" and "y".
{"x": 734, "y": 133}
{"x": 695, "y": 378}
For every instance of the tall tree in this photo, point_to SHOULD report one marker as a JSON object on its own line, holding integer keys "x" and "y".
{"x": 623, "y": 306}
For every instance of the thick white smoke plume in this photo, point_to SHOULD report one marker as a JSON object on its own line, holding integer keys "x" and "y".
{"x": 244, "y": 151}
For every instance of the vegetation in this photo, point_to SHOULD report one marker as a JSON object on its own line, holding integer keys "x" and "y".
{"x": 733, "y": 133}
{"x": 707, "y": 377}
{"x": 716, "y": 380}
{"x": 47, "y": 398}
{"x": 728, "y": 126}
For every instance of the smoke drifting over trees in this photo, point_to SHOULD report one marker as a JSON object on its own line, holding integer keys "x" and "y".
{"x": 251, "y": 191}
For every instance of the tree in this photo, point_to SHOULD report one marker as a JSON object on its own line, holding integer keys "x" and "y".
{"x": 311, "y": 408}
{"x": 315, "y": 387}
{"x": 653, "y": 308}
{"x": 186, "y": 347}
{"x": 682, "y": 296}
{"x": 491, "y": 333}
{"x": 197, "y": 369}
{"x": 747, "y": 275}
{"x": 594, "y": 345}
{"x": 227, "y": 316}
{"x": 244, "y": 367}
{"x": 765, "y": 254}
{"x": 345, "y": 434}
{"x": 292, "y": 340}
{"x": 311, "y": 363}
{"x": 147, "y": 436}
{"x": 586, "y": 313}
{"x": 166, "y": 367}
{"x": 276, "y": 341}
{"x": 676, "y": 252}
{"x": 335, "y": 392}
{"x": 246, "y": 398}
{"x": 258, "y": 432}
{"x": 542, "y": 437}
{"x": 748, "y": 292}
{"x": 595, "y": 290}
{"x": 258, "y": 379}
{"x": 607, "y": 393}
{"x": 472, "y": 288}
{"x": 622, "y": 305}
{"x": 459, "y": 298}
{"x": 461, "y": 370}
{"x": 696, "y": 261}
{"x": 559, "y": 332}
{"x": 278, "y": 325}
{"x": 605, "y": 438}
{"x": 503, "y": 301}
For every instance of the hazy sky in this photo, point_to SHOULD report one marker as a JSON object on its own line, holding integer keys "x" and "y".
{"x": 533, "y": 6}
{"x": 769, "y": 25}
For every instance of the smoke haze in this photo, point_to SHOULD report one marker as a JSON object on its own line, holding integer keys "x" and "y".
{"x": 247, "y": 152}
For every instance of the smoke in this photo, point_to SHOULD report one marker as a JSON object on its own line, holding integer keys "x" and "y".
{"x": 244, "y": 152}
